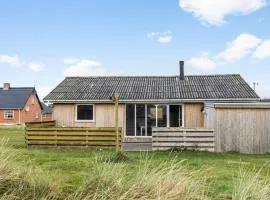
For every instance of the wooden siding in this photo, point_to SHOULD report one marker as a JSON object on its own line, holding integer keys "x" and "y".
{"x": 193, "y": 117}
{"x": 64, "y": 115}
{"x": 71, "y": 137}
{"x": 243, "y": 130}
{"x": 168, "y": 138}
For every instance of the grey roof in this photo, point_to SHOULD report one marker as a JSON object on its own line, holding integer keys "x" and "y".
{"x": 15, "y": 98}
{"x": 46, "y": 109}
{"x": 152, "y": 88}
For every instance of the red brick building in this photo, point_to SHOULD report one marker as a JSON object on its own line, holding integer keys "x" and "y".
{"x": 19, "y": 105}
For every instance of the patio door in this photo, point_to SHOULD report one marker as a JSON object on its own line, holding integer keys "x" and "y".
{"x": 141, "y": 118}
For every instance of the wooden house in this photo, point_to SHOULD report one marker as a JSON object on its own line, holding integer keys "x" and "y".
{"x": 146, "y": 102}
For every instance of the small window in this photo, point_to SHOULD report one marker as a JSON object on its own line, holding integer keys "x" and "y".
{"x": 36, "y": 115}
{"x": 85, "y": 112}
{"x": 44, "y": 116}
{"x": 9, "y": 114}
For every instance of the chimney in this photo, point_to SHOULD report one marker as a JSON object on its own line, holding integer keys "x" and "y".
{"x": 182, "y": 73}
{"x": 6, "y": 86}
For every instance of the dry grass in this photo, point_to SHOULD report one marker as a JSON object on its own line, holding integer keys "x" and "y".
{"x": 249, "y": 184}
{"x": 22, "y": 181}
{"x": 169, "y": 180}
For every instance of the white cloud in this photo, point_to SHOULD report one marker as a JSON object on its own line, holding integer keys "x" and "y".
{"x": 15, "y": 61}
{"x": 242, "y": 46}
{"x": 239, "y": 48}
{"x": 11, "y": 60}
{"x": 161, "y": 37}
{"x": 36, "y": 67}
{"x": 87, "y": 68}
{"x": 213, "y": 12}
{"x": 69, "y": 61}
{"x": 203, "y": 62}
{"x": 164, "y": 39}
{"x": 262, "y": 51}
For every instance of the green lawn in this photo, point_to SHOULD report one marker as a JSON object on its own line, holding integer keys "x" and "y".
{"x": 70, "y": 168}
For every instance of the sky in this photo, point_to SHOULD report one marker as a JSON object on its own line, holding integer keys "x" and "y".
{"x": 41, "y": 42}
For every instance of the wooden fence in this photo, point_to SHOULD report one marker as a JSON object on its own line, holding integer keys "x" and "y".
{"x": 195, "y": 139}
{"x": 40, "y": 124}
{"x": 73, "y": 137}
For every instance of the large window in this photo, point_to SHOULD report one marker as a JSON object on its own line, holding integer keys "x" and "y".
{"x": 141, "y": 118}
{"x": 85, "y": 112}
{"x": 9, "y": 114}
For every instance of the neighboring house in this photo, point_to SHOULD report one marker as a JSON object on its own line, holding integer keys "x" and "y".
{"x": 46, "y": 112}
{"x": 145, "y": 101}
{"x": 19, "y": 105}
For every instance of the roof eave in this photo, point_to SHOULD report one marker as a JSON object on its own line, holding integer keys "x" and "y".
{"x": 150, "y": 100}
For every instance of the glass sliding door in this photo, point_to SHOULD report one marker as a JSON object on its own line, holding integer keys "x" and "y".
{"x": 175, "y": 115}
{"x": 161, "y": 115}
{"x": 140, "y": 120}
{"x": 151, "y": 118}
{"x": 130, "y": 119}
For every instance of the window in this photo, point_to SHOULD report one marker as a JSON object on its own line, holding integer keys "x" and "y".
{"x": 9, "y": 114}
{"x": 85, "y": 112}
{"x": 44, "y": 116}
{"x": 141, "y": 118}
{"x": 36, "y": 115}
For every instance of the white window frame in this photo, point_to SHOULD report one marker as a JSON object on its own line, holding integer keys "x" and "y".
{"x": 168, "y": 118}
{"x": 76, "y": 113}
{"x": 5, "y": 115}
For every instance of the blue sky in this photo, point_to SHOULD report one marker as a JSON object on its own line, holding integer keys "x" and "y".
{"x": 41, "y": 42}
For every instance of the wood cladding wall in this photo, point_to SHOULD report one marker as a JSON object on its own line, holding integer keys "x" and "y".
{"x": 64, "y": 115}
{"x": 194, "y": 117}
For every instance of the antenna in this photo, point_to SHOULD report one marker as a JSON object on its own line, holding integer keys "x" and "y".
{"x": 35, "y": 82}
{"x": 255, "y": 84}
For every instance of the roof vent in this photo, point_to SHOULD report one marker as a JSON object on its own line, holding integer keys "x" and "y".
{"x": 6, "y": 86}
{"x": 182, "y": 73}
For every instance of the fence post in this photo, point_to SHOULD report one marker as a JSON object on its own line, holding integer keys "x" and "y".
{"x": 116, "y": 123}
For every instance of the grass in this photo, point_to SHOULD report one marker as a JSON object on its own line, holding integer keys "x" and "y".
{"x": 91, "y": 174}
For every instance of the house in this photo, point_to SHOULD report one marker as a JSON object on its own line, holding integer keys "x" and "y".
{"x": 19, "y": 105}
{"x": 46, "y": 112}
{"x": 145, "y": 101}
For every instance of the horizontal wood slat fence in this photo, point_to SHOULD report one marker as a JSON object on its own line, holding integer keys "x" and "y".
{"x": 72, "y": 137}
{"x": 195, "y": 139}
{"x": 40, "y": 124}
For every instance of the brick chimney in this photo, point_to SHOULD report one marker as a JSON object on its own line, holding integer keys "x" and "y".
{"x": 6, "y": 86}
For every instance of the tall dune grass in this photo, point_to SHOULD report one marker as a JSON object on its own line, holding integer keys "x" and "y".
{"x": 141, "y": 179}
{"x": 167, "y": 180}
{"x": 251, "y": 184}
{"x": 22, "y": 181}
